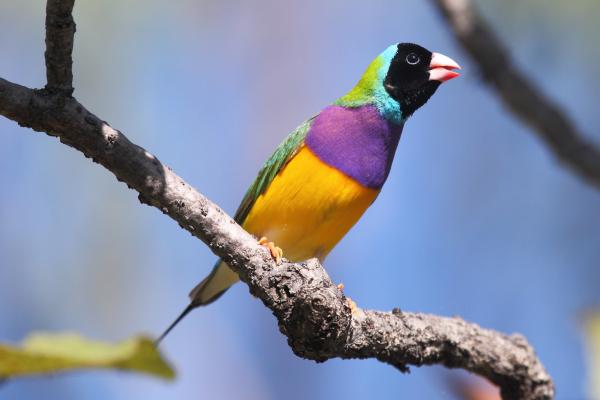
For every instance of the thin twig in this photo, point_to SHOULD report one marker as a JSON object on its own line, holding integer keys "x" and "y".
{"x": 60, "y": 31}
{"x": 518, "y": 92}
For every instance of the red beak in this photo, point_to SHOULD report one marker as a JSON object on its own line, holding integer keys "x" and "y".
{"x": 442, "y": 68}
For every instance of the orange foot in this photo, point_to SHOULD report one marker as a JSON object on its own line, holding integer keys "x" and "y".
{"x": 352, "y": 305}
{"x": 349, "y": 301}
{"x": 276, "y": 252}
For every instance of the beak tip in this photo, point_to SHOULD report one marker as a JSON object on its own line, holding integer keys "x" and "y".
{"x": 442, "y": 68}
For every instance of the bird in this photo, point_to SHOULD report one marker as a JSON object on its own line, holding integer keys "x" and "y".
{"x": 330, "y": 169}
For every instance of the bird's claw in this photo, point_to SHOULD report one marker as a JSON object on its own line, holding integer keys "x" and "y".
{"x": 276, "y": 252}
{"x": 352, "y": 305}
{"x": 349, "y": 302}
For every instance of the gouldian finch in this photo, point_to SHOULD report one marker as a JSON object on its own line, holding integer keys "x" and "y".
{"x": 327, "y": 172}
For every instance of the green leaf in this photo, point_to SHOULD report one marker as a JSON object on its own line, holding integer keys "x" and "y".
{"x": 44, "y": 353}
{"x": 592, "y": 336}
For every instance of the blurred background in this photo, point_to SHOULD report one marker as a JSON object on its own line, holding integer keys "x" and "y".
{"x": 479, "y": 219}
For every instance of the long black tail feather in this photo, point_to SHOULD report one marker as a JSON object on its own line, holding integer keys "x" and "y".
{"x": 185, "y": 312}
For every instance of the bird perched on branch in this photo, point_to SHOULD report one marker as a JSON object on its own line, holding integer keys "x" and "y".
{"x": 327, "y": 172}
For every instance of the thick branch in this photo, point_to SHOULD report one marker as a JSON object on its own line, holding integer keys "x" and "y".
{"x": 311, "y": 310}
{"x": 519, "y": 93}
{"x": 60, "y": 30}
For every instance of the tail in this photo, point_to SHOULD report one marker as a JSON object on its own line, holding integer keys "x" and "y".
{"x": 210, "y": 289}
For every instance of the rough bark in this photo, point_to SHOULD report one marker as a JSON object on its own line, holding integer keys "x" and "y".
{"x": 311, "y": 311}
{"x": 60, "y": 32}
{"x": 520, "y": 95}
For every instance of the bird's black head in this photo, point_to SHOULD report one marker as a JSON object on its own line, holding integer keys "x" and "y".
{"x": 414, "y": 75}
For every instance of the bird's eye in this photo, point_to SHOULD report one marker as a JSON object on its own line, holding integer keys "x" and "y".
{"x": 412, "y": 59}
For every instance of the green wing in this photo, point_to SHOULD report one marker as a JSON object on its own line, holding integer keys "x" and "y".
{"x": 284, "y": 153}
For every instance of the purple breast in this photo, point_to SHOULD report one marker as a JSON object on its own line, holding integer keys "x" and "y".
{"x": 356, "y": 141}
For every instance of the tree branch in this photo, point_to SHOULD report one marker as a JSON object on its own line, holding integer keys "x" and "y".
{"x": 518, "y": 93}
{"x": 312, "y": 312}
{"x": 60, "y": 30}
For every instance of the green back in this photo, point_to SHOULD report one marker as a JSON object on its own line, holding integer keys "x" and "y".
{"x": 284, "y": 153}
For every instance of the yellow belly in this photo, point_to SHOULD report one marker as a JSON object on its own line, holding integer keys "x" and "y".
{"x": 308, "y": 207}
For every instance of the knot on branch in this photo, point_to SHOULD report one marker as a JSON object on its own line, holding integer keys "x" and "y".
{"x": 317, "y": 325}
{"x": 312, "y": 312}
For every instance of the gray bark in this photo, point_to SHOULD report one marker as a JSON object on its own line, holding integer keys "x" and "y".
{"x": 60, "y": 32}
